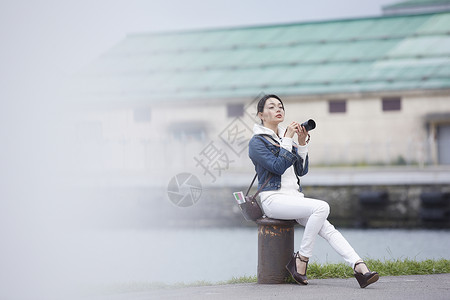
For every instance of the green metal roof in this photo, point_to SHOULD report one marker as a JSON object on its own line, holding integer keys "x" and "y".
{"x": 417, "y": 3}
{"x": 356, "y": 55}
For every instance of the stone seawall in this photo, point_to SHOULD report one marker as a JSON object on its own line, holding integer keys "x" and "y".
{"x": 362, "y": 206}
{"x": 383, "y": 205}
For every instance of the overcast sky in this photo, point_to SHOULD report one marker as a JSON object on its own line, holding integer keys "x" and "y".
{"x": 59, "y": 36}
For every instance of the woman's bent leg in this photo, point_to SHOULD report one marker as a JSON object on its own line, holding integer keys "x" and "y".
{"x": 320, "y": 212}
{"x": 337, "y": 241}
{"x": 289, "y": 207}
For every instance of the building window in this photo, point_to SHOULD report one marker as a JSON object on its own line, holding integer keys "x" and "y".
{"x": 235, "y": 110}
{"x": 337, "y": 106}
{"x": 188, "y": 131}
{"x": 142, "y": 115}
{"x": 391, "y": 104}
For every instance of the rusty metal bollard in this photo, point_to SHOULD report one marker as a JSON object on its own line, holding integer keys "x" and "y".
{"x": 275, "y": 248}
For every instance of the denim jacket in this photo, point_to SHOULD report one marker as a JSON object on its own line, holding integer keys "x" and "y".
{"x": 270, "y": 158}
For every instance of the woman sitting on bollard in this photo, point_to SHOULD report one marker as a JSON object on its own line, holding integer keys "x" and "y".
{"x": 274, "y": 153}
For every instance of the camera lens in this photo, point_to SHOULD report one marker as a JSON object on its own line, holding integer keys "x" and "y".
{"x": 309, "y": 125}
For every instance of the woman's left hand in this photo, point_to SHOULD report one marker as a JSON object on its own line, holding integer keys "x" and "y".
{"x": 302, "y": 135}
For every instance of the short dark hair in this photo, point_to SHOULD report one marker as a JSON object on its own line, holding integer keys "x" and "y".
{"x": 262, "y": 102}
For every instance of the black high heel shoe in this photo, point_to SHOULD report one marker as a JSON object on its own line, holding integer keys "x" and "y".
{"x": 292, "y": 268}
{"x": 366, "y": 278}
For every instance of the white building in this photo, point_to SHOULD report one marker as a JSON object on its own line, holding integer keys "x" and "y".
{"x": 378, "y": 88}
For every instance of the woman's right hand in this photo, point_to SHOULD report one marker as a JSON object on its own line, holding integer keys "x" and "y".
{"x": 291, "y": 130}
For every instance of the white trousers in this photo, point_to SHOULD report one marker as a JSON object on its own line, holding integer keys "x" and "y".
{"x": 310, "y": 213}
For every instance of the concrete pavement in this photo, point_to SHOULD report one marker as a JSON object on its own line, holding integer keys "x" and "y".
{"x": 434, "y": 287}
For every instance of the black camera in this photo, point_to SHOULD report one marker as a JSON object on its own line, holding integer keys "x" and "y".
{"x": 309, "y": 125}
